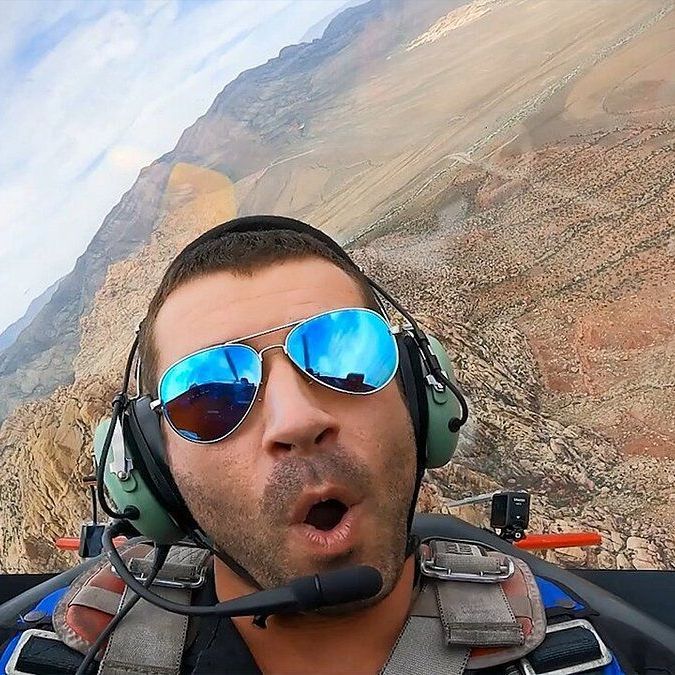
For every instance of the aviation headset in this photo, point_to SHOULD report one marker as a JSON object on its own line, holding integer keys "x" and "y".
{"x": 138, "y": 478}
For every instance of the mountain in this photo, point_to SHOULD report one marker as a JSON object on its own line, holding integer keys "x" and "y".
{"x": 316, "y": 31}
{"x": 41, "y": 357}
{"x": 505, "y": 168}
{"x": 236, "y": 137}
{"x": 9, "y": 335}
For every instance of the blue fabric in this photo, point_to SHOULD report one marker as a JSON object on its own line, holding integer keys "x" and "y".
{"x": 48, "y": 603}
{"x": 613, "y": 668}
{"x": 7, "y": 654}
{"x": 553, "y": 595}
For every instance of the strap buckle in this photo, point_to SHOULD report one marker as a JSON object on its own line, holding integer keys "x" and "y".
{"x": 459, "y": 561}
{"x": 170, "y": 576}
{"x": 604, "y": 659}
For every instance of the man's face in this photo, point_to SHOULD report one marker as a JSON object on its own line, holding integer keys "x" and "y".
{"x": 255, "y": 492}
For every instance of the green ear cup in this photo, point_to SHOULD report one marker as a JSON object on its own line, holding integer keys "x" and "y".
{"x": 443, "y": 406}
{"x": 127, "y": 487}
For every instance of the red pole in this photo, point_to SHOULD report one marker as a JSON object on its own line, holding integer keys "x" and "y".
{"x": 539, "y": 542}
{"x": 73, "y": 543}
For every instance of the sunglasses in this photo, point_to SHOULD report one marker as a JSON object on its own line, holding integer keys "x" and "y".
{"x": 206, "y": 395}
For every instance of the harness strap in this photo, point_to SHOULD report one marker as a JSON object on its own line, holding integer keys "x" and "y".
{"x": 421, "y": 649}
{"x": 477, "y": 615}
{"x": 151, "y": 640}
{"x": 470, "y": 599}
{"x": 481, "y": 600}
{"x": 97, "y": 598}
{"x": 450, "y": 616}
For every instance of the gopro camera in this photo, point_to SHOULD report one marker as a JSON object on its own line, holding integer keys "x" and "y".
{"x": 510, "y": 515}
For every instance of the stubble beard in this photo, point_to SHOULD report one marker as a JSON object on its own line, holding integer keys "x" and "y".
{"x": 255, "y": 534}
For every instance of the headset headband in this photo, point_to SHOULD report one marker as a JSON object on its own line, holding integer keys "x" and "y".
{"x": 267, "y": 223}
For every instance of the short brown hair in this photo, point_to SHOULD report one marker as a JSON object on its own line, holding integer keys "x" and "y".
{"x": 241, "y": 253}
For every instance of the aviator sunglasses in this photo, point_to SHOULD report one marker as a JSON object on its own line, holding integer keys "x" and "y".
{"x": 206, "y": 395}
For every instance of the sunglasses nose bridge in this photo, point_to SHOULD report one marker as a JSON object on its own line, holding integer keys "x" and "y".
{"x": 284, "y": 347}
{"x": 261, "y": 353}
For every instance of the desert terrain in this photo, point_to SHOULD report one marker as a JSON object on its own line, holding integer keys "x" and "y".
{"x": 506, "y": 168}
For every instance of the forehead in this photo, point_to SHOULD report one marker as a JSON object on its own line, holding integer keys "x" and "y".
{"x": 222, "y": 306}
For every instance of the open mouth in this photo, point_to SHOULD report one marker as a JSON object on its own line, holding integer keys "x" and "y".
{"x": 327, "y": 521}
{"x": 326, "y": 515}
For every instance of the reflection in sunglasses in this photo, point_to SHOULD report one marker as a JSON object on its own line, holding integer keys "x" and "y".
{"x": 206, "y": 395}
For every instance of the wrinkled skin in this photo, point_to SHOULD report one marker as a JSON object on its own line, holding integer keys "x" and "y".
{"x": 299, "y": 435}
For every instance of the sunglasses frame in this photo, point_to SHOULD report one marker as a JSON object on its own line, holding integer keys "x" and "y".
{"x": 157, "y": 406}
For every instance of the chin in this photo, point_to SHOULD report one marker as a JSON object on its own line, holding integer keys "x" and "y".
{"x": 352, "y": 607}
{"x": 318, "y": 565}
{"x": 391, "y": 571}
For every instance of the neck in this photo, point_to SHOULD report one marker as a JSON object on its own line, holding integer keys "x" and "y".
{"x": 318, "y": 643}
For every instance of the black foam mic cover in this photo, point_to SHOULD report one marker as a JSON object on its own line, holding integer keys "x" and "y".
{"x": 337, "y": 587}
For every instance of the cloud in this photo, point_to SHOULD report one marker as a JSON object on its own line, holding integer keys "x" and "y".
{"x": 91, "y": 92}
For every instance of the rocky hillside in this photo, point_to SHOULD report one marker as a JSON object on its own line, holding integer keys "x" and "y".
{"x": 516, "y": 192}
{"x": 553, "y": 282}
{"x": 42, "y": 356}
{"x": 47, "y": 445}
{"x": 553, "y": 410}
{"x": 249, "y": 126}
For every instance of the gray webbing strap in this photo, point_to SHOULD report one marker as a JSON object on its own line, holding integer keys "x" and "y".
{"x": 150, "y": 640}
{"x": 421, "y": 650}
{"x": 469, "y": 594}
{"x": 97, "y": 598}
{"x": 477, "y": 614}
{"x": 421, "y": 647}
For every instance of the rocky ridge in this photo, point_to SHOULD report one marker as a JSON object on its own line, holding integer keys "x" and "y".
{"x": 504, "y": 269}
{"x": 41, "y": 357}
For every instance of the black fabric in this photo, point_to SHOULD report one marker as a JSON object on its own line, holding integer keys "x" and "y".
{"x": 12, "y": 585}
{"x": 653, "y": 591}
{"x": 43, "y": 656}
{"x": 633, "y": 649}
{"x": 564, "y": 649}
{"x": 218, "y": 648}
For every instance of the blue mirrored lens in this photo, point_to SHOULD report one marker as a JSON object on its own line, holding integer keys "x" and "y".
{"x": 207, "y": 395}
{"x": 351, "y": 350}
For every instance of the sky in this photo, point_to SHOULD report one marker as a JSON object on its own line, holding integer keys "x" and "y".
{"x": 90, "y": 92}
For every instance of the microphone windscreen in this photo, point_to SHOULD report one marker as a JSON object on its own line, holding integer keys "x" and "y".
{"x": 349, "y": 584}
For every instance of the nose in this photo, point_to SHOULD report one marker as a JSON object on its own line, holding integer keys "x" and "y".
{"x": 293, "y": 416}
